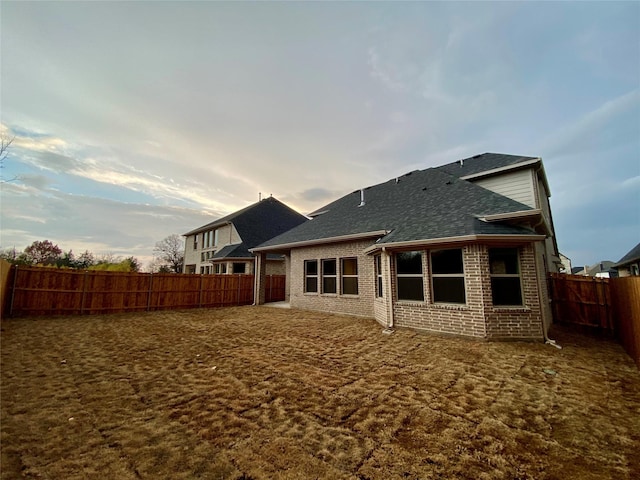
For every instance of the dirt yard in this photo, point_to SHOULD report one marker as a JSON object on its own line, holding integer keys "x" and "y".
{"x": 264, "y": 393}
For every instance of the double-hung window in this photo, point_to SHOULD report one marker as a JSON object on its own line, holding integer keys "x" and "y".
{"x": 329, "y": 276}
{"x": 506, "y": 287}
{"x": 311, "y": 276}
{"x": 378, "y": 273}
{"x": 447, "y": 276}
{"x": 409, "y": 276}
{"x": 349, "y": 274}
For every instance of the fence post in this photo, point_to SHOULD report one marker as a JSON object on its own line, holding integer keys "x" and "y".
{"x": 13, "y": 289}
{"x": 200, "y": 294}
{"x": 84, "y": 291}
{"x": 238, "y": 277}
{"x": 150, "y": 291}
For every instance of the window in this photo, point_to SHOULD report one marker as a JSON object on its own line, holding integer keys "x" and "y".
{"x": 239, "y": 267}
{"x": 220, "y": 268}
{"x": 311, "y": 276}
{"x": 505, "y": 276}
{"x": 329, "y": 276}
{"x": 195, "y": 242}
{"x": 349, "y": 271}
{"x": 410, "y": 283}
{"x": 216, "y": 237}
{"x": 378, "y": 273}
{"x": 447, "y": 273}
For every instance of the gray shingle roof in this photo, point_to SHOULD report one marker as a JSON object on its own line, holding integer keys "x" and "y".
{"x": 421, "y": 205}
{"x": 632, "y": 255}
{"x": 483, "y": 163}
{"x": 255, "y": 224}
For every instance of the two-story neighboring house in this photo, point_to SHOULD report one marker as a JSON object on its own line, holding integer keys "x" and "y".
{"x": 461, "y": 249}
{"x": 222, "y": 246}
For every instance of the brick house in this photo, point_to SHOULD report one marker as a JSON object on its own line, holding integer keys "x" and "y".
{"x": 461, "y": 249}
{"x": 222, "y": 246}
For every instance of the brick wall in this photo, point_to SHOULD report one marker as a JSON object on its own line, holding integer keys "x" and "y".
{"x": 361, "y": 304}
{"x": 476, "y": 318}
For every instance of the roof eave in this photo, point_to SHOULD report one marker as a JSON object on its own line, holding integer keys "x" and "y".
{"x": 455, "y": 240}
{"x": 320, "y": 241}
{"x": 495, "y": 171}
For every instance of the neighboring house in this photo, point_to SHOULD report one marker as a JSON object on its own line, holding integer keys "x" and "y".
{"x": 222, "y": 246}
{"x": 603, "y": 269}
{"x": 435, "y": 249}
{"x": 566, "y": 264}
{"x": 629, "y": 265}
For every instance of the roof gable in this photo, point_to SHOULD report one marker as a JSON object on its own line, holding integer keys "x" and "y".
{"x": 257, "y": 222}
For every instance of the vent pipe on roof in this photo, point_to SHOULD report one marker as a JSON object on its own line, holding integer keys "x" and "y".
{"x": 462, "y": 162}
{"x": 361, "y": 197}
{"x": 259, "y": 196}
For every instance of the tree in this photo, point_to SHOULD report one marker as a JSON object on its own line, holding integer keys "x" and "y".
{"x": 42, "y": 253}
{"x": 5, "y": 143}
{"x": 171, "y": 252}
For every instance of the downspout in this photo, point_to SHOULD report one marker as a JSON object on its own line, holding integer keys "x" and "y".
{"x": 256, "y": 291}
{"x": 387, "y": 262}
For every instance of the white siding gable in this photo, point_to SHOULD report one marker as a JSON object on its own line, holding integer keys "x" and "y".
{"x": 518, "y": 185}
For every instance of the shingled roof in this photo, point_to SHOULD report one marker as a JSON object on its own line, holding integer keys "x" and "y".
{"x": 485, "y": 162}
{"x": 421, "y": 205}
{"x": 255, "y": 224}
{"x": 631, "y": 256}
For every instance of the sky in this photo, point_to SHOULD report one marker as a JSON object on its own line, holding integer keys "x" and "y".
{"x": 137, "y": 120}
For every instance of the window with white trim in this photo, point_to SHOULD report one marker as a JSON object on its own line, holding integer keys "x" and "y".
{"x": 409, "y": 276}
{"x": 311, "y": 276}
{"x": 349, "y": 276}
{"x": 329, "y": 276}
{"x": 506, "y": 285}
{"x": 447, "y": 276}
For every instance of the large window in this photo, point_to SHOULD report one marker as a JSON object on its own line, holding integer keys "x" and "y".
{"x": 504, "y": 266}
{"x": 329, "y": 276}
{"x": 349, "y": 271}
{"x": 410, "y": 281}
{"x": 239, "y": 267}
{"x": 378, "y": 273}
{"x": 447, "y": 275}
{"x": 311, "y": 276}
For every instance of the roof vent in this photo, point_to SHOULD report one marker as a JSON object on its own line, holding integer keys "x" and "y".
{"x": 462, "y": 162}
{"x": 361, "y": 198}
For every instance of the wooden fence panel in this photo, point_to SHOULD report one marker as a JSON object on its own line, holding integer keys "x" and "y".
{"x": 625, "y": 295}
{"x": 581, "y": 300}
{"x": 275, "y": 288}
{"x": 51, "y": 291}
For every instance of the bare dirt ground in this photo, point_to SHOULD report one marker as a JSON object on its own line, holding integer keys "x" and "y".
{"x": 263, "y": 393}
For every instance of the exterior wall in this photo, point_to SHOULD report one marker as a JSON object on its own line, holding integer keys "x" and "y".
{"x": 525, "y": 322}
{"x": 274, "y": 267}
{"x": 478, "y": 317}
{"x": 361, "y": 304}
{"x": 518, "y": 185}
{"x": 227, "y": 235}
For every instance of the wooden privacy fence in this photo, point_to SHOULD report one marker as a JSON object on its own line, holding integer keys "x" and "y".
{"x": 609, "y": 305}
{"x": 48, "y": 291}
{"x": 581, "y": 300}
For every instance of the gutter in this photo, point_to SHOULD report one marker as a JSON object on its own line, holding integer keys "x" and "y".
{"x": 320, "y": 241}
{"x": 455, "y": 240}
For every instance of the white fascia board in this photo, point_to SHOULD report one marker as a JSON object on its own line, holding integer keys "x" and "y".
{"x": 515, "y": 166}
{"x": 321, "y": 241}
{"x": 498, "y": 217}
{"x": 456, "y": 240}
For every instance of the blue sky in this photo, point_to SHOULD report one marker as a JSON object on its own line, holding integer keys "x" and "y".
{"x": 136, "y": 120}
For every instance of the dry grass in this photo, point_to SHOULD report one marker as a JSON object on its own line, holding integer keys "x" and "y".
{"x": 261, "y": 393}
